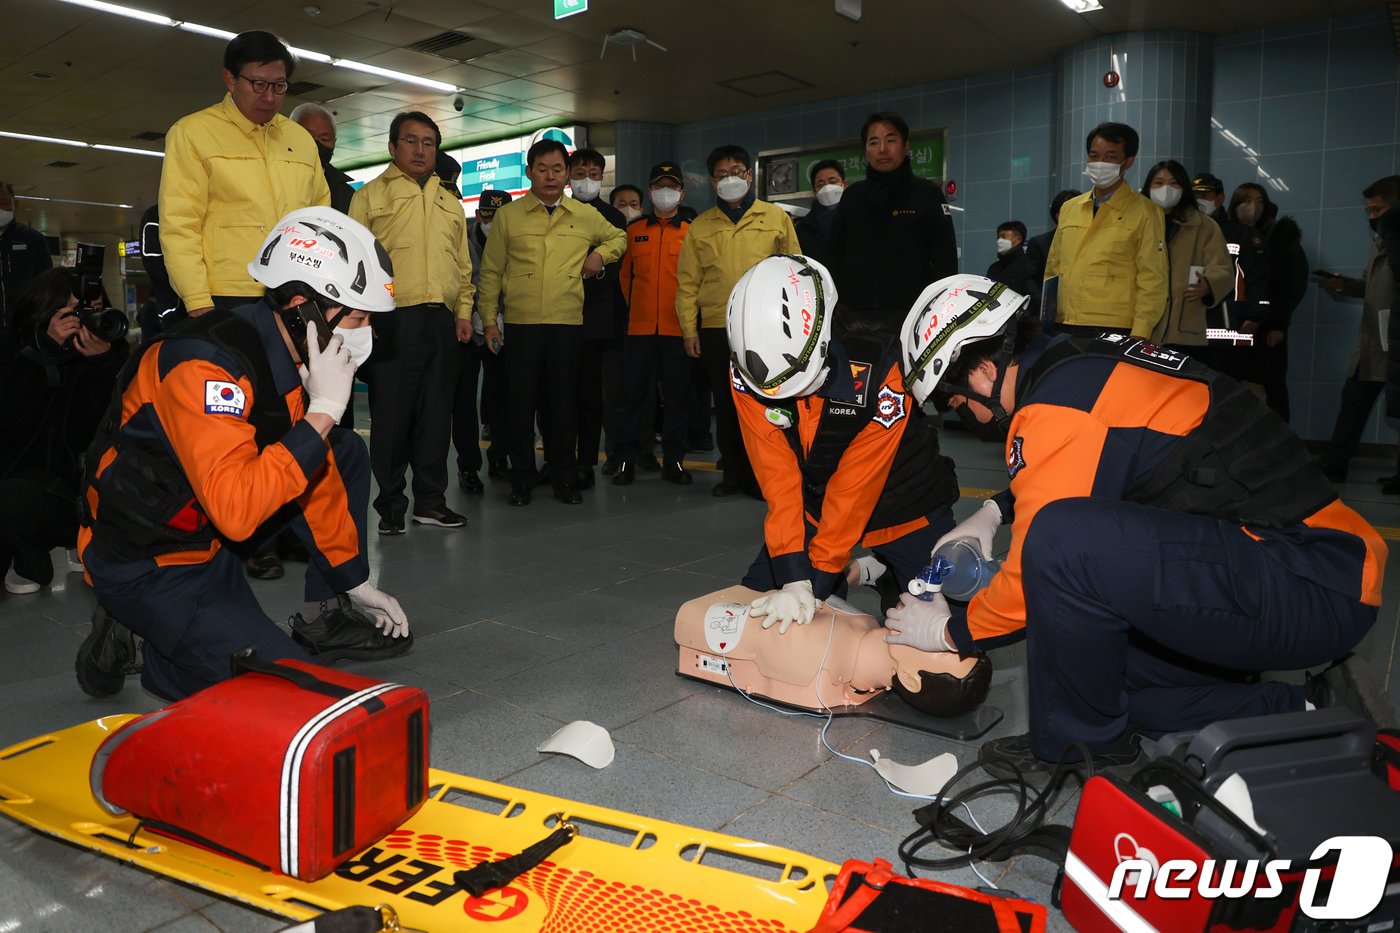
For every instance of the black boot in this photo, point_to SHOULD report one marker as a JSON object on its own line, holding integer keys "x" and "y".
{"x": 626, "y": 473}
{"x": 342, "y": 631}
{"x": 675, "y": 472}
{"x": 106, "y": 656}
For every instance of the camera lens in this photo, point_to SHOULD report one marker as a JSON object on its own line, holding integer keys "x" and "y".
{"x": 107, "y": 324}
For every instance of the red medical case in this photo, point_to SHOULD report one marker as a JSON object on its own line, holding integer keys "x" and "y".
{"x": 1312, "y": 777}
{"x": 289, "y": 765}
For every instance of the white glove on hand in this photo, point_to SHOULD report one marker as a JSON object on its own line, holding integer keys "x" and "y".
{"x": 330, "y": 377}
{"x": 793, "y": 603}
{"x": 981, "y": 525}
{"x": 919, "y": 624}
{"x": 384, "y": 609}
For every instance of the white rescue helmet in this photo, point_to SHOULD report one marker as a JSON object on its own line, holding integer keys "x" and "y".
{"x": 950, "y": 314}
{"x": 779, "y": 324}
{"x": 336, "y": 256}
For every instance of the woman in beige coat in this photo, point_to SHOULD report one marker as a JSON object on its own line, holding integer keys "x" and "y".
{"x": 1201, "y": 273}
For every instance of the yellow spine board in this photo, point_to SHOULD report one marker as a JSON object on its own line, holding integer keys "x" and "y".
{"x": 623, "y": 873}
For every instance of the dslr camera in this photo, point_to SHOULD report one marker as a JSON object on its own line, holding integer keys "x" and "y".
{"x": 102, "y": 322}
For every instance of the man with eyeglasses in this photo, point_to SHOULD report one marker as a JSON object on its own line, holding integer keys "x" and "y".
{"x": 412, "y": 379}
{"x": 231, "y": 171}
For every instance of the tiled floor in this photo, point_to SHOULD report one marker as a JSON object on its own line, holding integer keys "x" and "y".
{"x": 531, "y": 618}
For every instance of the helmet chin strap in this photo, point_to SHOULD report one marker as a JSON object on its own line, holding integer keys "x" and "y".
{"x": 1000, "y": 425}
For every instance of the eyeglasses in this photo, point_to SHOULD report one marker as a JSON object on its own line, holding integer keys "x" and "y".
{"x": 721, "y": 174}
{"x": 262, "y": 87}
{"x": 427, "y": 142}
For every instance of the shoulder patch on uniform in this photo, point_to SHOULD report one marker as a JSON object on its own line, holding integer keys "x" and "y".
{"x": 737, "y": 381}
{"x": 1156, "y": 356}
{"x": 889, "y": 407}
{"x": 224, "y": 398}
{"x": 1015, "y": 457}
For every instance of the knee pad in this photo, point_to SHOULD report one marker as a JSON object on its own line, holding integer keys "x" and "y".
{"x": 946, "y": 695}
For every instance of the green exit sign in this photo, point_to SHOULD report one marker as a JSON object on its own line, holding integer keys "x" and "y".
{"x": 563, "y": 8}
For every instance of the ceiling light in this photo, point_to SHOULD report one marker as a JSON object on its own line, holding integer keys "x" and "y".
{"x": 185, "y": 25}
{"x": 32, "y": 197}
{"x": 81, "y": 145}
{"x": 1083, "y": 6}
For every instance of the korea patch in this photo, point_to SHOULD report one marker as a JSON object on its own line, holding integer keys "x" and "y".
{"x": 737, "y": 381}
{"x": 224, "y": 398}
{"x": 889, "y": 407}
{"x": 1157, "y": 356}
{"x": 1015, "y": 458}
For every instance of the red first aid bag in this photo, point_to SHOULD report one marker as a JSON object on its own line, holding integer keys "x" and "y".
{"x": 872, "y": 898}
{"x": 291, "y": 766}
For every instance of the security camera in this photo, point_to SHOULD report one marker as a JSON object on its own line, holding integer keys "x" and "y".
{"x": 458, "y": 104}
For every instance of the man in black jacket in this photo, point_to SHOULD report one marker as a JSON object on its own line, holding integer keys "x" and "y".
{"x": 24, "y": 253}
{"x": 319, "y": 122}
{"x": 892, "y": 234}
{"x": 1015, "y": 267}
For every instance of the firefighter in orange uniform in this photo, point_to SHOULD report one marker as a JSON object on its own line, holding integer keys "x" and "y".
{"x": 225, "y": 431}
{"x": 1171, "y": 538}
{"x": 843, "y": 455}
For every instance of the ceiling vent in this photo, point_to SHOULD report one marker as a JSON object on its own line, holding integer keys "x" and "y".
{"x": 436, "y": 45}
{"x": 302, "y": 88}
{"x": 765, "y": 85}
{"x": 60, "y": 163}
{"x": 149, "y": 136}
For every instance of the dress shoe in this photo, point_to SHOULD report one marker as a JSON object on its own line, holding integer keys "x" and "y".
{"x": 610, "y": 466}
{"x": 471, "y": 483}
{"x": 568, "y": 495}
{"x": 519, "y": 494}
{"x": 675, "y": 472}
{"x": 583, "y": 477}
{"x": 726, "y": 487}
{"x": 264, "y": 566}
{"x": 626, "y": 473}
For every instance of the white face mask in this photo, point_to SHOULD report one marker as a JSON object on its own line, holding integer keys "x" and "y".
{"x": 830, "y": 195}
{"x": 1004, "y": 246}
{"x": 665, "y": 199}
{"x": 586, "y": 189}
{"x": 1103, "y": 174}
{"x": 631, "y": 213}
{"x": 359, "y": 341}
{"x": 1207, "y": 207}
{"x": 732, "y": 188}
{"x": 1247, "y": 212}
{"x": 484, "y": 227}
{"x": 6, "y": 217}
{"x": 1166, "y": 197}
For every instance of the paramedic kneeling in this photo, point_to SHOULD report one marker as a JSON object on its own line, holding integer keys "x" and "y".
{"x": 1170, "y": 537}
{"x": 224, "y": 430}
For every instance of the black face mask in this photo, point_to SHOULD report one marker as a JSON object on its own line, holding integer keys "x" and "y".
{"x": 1375, "y": 223}
{"x": 326, "y": 153}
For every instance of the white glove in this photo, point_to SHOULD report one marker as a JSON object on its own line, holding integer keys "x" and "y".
{"x": 793, "y": 603}
{"x": 981, "y": 526}
{"x": 330, "y": 377}
{"x": 384, "y": 609}
{"x": 921, "y": 624}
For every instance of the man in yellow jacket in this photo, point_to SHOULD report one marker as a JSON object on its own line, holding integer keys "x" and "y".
{"x": 231, "y": 172}
{"x": 541, "y": 248}
{"x": 1109, "y": 252}
{"x": 723, "y": 243}
{"x": 413, "y": 371}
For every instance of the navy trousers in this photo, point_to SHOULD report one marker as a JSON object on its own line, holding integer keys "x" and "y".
{"x": 1154, "y": 621}
{"x": 194, "y": 617}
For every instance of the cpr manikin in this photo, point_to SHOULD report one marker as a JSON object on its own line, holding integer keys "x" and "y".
{"x": 840, "y": 659}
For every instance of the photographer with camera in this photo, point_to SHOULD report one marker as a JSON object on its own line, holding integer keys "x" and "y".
{"x": 51, "y": 399}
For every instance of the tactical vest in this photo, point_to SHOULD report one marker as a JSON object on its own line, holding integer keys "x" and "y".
{"x": 1242, "y": 463}
{"x": 145, "y": 501}
{"x": 920, "y": 479}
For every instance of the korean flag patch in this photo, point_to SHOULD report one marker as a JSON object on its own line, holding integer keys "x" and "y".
{"x": 224, "y": 398}
{"x": 889, "y": 407}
